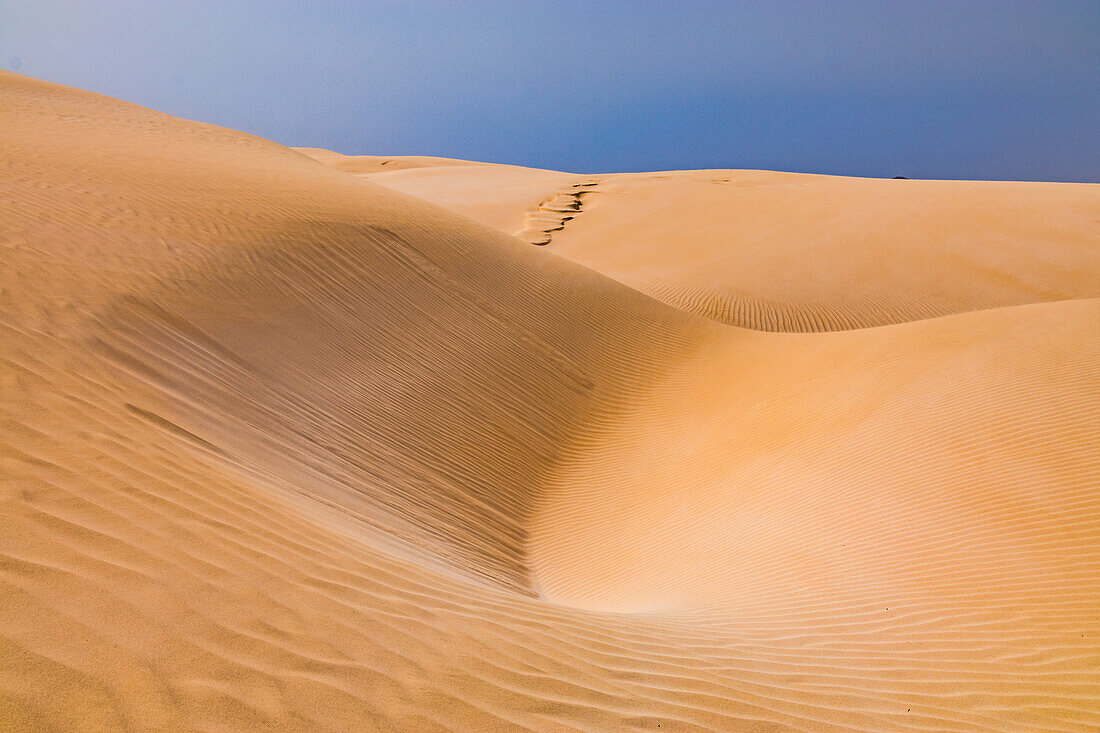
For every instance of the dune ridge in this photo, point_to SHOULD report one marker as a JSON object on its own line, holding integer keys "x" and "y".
{"x": 802, "y": 253}
{"x": 286, "y": 447}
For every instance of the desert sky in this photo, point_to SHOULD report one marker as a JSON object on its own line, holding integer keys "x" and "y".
{"x": 295, "y": 439}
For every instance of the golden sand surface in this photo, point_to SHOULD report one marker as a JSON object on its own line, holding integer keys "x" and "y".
{"x": 787, "y": 251}
{"x": 300, "y": 441}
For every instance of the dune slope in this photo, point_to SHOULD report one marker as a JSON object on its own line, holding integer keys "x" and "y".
{"x": 794, "y": 252}
{"x": 284, "y": 448}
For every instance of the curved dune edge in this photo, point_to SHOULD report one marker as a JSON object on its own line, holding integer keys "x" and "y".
{"x": 289, "y": 449}
{"x": 931, "y": 463}
{"x": 795, "y": 252}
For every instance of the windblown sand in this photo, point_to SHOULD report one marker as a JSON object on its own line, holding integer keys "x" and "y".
{"x": 300, "y": 441}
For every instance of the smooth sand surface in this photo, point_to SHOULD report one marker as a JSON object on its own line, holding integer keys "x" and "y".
{"x": 298, "y": 441}
{"x": 794, "y": 252}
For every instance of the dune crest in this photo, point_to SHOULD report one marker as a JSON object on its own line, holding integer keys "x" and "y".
{"x": 796, "y": 252}
{"x": 309, "y": 442}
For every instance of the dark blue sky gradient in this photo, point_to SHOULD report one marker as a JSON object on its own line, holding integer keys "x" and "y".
{"x": 922, "y": 88}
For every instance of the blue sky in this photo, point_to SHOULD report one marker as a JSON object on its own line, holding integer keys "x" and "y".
{"x": 921, "y": 88}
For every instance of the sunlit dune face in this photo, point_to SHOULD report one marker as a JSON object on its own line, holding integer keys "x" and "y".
{"x": 303, "y": 441}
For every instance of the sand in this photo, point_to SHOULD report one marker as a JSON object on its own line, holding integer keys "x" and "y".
{"x": 786, "y": 251}
{"x": 300, "y": 441}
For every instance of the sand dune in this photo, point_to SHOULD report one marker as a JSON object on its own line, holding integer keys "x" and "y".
{"x": 309, "y": 442}
{"x": 794, "y": 252}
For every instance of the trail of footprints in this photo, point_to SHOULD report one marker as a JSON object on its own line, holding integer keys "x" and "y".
{"x": 552, "y": 214}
